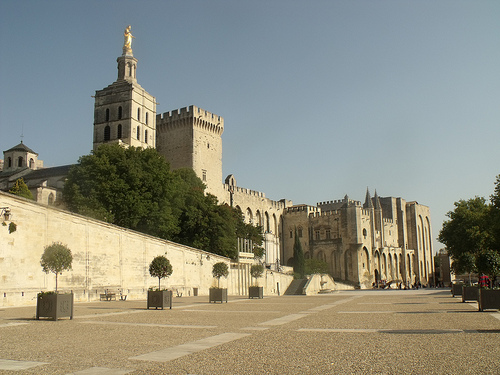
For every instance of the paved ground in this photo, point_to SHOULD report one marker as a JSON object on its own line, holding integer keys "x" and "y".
{"x": 351, "y": 332}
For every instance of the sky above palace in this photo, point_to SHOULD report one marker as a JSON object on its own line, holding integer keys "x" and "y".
{"x": 320, "y": 98}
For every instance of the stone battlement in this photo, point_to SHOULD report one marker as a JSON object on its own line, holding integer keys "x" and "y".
{"x": 190, "y": 112}
{"x": 325, "y": 213}
{"x": 301, "y": 209}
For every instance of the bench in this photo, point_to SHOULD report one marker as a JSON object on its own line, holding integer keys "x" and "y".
{"x": 108, "y": 297}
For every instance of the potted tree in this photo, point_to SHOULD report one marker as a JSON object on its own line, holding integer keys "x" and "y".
{"x": 256, "y": 291}
{"x": 217, "y": 293}
{"x": 56, "y": 258}
{"x": 160, "y": 267}
{"x": 488, "y": 262}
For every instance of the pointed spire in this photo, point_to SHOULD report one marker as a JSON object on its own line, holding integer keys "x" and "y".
{"x": 368, "y": 200}
{"x": 378, "y": 206}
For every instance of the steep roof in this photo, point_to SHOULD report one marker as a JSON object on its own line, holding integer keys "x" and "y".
{"x": 21, "y": 147}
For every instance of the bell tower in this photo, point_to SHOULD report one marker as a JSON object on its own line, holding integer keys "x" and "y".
{"x": 124, "y": 112}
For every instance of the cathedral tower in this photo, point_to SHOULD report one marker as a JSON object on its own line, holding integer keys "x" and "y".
{"x": 124, "y": 112}
{"x": 191, "y": 138}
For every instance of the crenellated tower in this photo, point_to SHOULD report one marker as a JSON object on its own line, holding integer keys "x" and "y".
{"x": 124, "y": 112}
{"x": 191, "y": 138}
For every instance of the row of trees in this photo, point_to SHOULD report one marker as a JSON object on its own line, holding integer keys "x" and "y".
{"x": 135, "y": 188}
{"x": 472, "y": 235}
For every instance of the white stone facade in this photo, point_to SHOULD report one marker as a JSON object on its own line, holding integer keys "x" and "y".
{"x": 104, "y": 257}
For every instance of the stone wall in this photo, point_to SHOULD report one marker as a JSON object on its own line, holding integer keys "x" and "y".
{"x": 104, "y": 257}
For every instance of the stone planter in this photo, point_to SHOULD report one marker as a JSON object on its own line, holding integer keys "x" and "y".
{"x": 470, "y": 293}
{"x": 159, "y": 299}
{"x": 255, "y": 292}
{"x": 54, "y": 306}
{"x": 217, "y": 295}
{"x": 489, "y": 299}
{"x": 456, "y": 289}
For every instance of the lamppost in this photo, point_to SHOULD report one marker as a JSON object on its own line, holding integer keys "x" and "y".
{"x": 5, "y": 211}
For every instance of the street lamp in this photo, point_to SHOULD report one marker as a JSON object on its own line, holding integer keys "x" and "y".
{"x": 5, "y": 212}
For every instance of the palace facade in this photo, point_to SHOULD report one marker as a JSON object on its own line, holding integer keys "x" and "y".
{"x": 384, "y": 239}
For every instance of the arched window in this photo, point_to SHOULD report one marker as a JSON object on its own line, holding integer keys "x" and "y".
{"x": 20, "y": 161}
{"x": 146, "y": 118}
{"x": 32, "y": 163}
{"x": 107, "y": 133}
{"x": 365, "y": 233}
{"x": 9, "y": 162}
{"x": 120, "y": 113}
{"x": 138, "y": 114}
{"x": 119, "y": 131}
{"x": 268, "y": 227}
{"x": 146, "y": 136}
{"x": 130, "y": 70}
{"x": 138, "y": 133}
{"x": 107, "y": 114}
{"x": 51, "y": 199}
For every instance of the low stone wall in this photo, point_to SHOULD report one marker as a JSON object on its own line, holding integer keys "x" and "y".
{"x": 105, "y": 257}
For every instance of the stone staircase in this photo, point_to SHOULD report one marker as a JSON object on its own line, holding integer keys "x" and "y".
{"x": 296, "y": 287}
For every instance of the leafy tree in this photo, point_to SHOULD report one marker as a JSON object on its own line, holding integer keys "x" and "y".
{"x": 298, "y": 257}
{"x": 134, "y": 188}
{"x": 464, "y": 263}
{"x": 160, "y": 267}
{"x": 21, "y": 189}
{"x": 56, "y": 258}
{"x": 256, "y": 270}
{"x": 218, "y": 270}
{"x": 488, "y": 262}
{"x": 312, "y": 266}
{"x": 124, "y": 186}
{"x": 258, "y": 252}
{"x": 468, "y": 231}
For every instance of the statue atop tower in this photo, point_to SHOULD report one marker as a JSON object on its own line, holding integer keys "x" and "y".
{"x": 127, "y": 43}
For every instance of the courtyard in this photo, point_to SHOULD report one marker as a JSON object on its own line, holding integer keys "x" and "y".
{"x": 347, "y": 332}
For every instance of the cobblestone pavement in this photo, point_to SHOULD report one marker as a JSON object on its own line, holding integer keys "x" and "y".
{"x": 348, "y": 332}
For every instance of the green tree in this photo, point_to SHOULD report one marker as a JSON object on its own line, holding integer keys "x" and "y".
{"x": 464, "y": 263}
{"x": 488, "y": 262}
{"x": 312, "y": 266}
{"x": 298, "y": 257}
{"x": 468, "y": 231}
{"x": 160, "y": 267}
{"x": 219, "y": 270}
{"x": 56, "y": 258}
{"x": 134, "y": 188}
{"x": 21, "y": 189}
{"x": 256, "y": 270}
{"x": 128, "y": 187}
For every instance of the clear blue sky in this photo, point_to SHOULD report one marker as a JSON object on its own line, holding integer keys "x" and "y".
{"x": 320, "y": 98}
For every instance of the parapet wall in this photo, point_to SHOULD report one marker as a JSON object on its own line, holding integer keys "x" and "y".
{"x": 104, "y": 257}
{"x": 190, "y": 112}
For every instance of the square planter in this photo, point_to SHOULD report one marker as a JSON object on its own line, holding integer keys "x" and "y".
{"x": 255, "y": 292}
{"x": 54, "y": 306}
{"x": 470, "y": 293}
{"x": 456, "y": 289}
{"x": 217, "y": 295}
{"x": 159, "y": 299}
{"x": 489, "y": 299}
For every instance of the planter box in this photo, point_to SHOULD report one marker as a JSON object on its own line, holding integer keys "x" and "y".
{"x": 456, "y": 289}
{"x": 489, "y": 299}
{"x": 159, "y": 299}
{"x": 255, "y": 292}
{"x": 470, "y": 293}
{"x": 217, "y": 295}
{"x": 54, "y": 306}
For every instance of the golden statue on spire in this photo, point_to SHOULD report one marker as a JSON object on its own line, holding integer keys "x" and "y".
{"x": 127, "y": 44}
